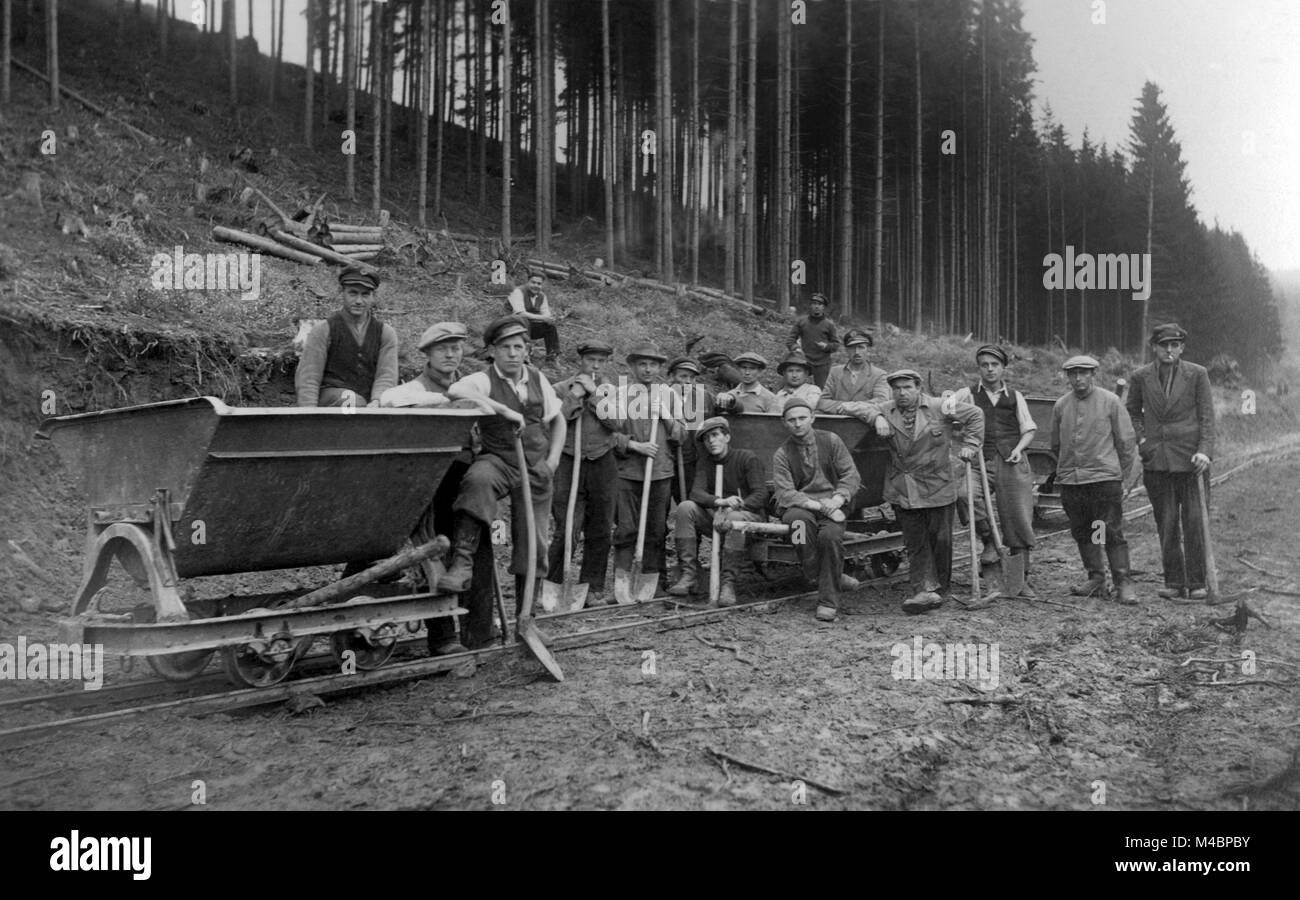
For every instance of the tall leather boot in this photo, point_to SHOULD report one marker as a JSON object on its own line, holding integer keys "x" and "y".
{"x": 1125, "y": 590}
{"x": 1095, "y": 564}
{"x": 688, "y": 558}
{"x": 465, "y": 541}
{"x": 731, "y": 561}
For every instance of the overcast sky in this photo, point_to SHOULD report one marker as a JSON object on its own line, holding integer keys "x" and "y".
{"x": 1227, "y": 70}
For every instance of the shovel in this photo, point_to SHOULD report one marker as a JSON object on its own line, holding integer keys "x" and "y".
{"x": 501, "y": 600}
{"x": 524, "y": 626}
{"x": 974, "y": 548}
{"x": 635, "y": 586}
{"x": 715, "y": 553}
{"x": 1211, "y": 572}
{"x": 568, "y": 596}
{"x": 1013, "y": 567}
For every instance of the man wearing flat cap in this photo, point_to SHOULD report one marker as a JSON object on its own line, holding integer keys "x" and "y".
{"x": 750, "y": 396}
{"x": 593, "y": 514}
{"x": 697, "y": 405}
{"x": 920, "y": 483}
{"x": 795, "y": 372}
{"x": 350, "y": 359}
{"x": 529, "y": 302}
{"x": 525, "y": 402}
{"x": 1172, "y": 408}
{"x": 814, "y": 334}
{"x": 1093, "y": 441}
{"x": 443, "y": 346}
{"x": 743, "y": 499}
{"x": 815, "y": 481}
{"x": 1008, "y": 430}
{"x": 632, "y": 411}
{"x": 851, "y": 388}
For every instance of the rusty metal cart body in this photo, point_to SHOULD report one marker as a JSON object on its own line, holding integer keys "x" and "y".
{"x": 1041, "y": 458}
{"x": 872, "y": 536}
{"x": 189, "y": 488}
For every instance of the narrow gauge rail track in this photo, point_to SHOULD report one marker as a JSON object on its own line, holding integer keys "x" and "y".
{"x": 212, "y": 694}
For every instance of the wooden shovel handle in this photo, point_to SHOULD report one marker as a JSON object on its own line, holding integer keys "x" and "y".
{"x": 530, "y": 578}
{"x": 974, "y": 552}
{"x": 715, "y": 576}
{"x": 1211, "y": 572}
{"x": 988, "y": 508}
{"x": 645, "y": 500}
{"x": 573, "y": 497}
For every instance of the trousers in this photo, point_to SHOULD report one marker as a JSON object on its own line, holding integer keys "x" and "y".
{"x": 821, "y": 552}
{"x": 593, "y": 517}
{"x": 1178, "y": 521}
{"x": 627, "y": 516}
{"x": 927, "y": 535}
{"x": 487, "y": 482}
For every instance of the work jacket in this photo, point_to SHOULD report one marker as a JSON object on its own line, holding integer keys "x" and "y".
{"x": 920, "y": 474}
{"x": 1172, "y": 428}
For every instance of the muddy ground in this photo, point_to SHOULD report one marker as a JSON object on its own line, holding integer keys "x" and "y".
{"x": 1092, "y": 704}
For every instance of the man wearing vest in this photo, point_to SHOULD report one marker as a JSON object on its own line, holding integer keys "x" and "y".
{"x": 597, "y": 476}
{"x": 529, "y": 302}
{"x": 524, "y": 400}
{"x": 920, "y": 483}
{"x": 1008, "y": 430}
{"x": 1172, "y": 409}
{"x": 1093, "y": 441}
{"x": 743, "y": 499}
{"x": 814, "y": 334}
{"x": 814, "y": 479}
{"x": 350, "y": 359}
{"x": 851, "y": 388}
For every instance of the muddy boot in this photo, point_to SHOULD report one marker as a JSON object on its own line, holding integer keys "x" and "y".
{"x": 688, "y": 559}
{"x": 732, "y": 560}
{"x": 458, "y": 577}
{"x": 1125, "y": 590}
{"x": 1095, "y": 564}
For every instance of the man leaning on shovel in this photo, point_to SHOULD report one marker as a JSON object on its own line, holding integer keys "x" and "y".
{"x": 523, "y": 399}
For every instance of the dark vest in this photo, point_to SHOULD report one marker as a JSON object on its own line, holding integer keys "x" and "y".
{"x": 533, "y": 302}
{"x": 1001, "y": 425}
{"x": 498, "y": 435}
{"x": 347, "y": 364}
{"x": 802, "y": 477}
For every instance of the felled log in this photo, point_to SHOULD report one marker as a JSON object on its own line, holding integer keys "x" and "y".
{"x": 308, "y": 247}
{"x": 354, "y": 237}
{"x": 371, "y": 255}
{"x": 265, "y": 245}
{"x": 340, "y": 227}
{"x": 408, "y": 557}
{"x": 353, "y": 249}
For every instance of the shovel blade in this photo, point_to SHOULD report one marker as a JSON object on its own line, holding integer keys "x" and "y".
{"x": 574, "y": 597}
{"x": 644, "y": 586}
{"x": 532, "y": 639}
{"x": 1013, "y": 574}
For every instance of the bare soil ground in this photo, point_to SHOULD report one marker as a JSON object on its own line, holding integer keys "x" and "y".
{"x": 1093, "y": 701}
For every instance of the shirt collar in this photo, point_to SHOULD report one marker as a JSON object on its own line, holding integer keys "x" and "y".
{"x": 522, "y": 379}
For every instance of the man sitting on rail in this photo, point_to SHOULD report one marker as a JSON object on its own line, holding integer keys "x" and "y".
{"x": 850, "y": 388}
{"x": 524, "y": 399}
{"x": 1008, "y": 430}
{"x": 350, "y": 359}
{"x": 795, "y": 372}
{"x": 920, "y": 483}
{"x": 598, "y": 475}
{"x": 814, "y": 477}
{"x": 750, "y": 396}
{"x": 743, "y": 499}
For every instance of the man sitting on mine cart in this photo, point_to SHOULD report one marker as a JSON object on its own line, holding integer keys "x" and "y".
{"x": 796, "y": 372}
{"x": 523, "y": 399}
{"x": 750, "y": 396}
{"x": 350, "y": 359}
{"x": 815, "y": 478}
{"x": 920, "y": 483}
{"x": 743, "y": 499}
{"x": 851, "y": 387}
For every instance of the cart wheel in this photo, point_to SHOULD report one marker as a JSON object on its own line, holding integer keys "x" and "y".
{"x": 371, "y": 648}
{"x": 263, "y": 663}
{"x": 886, "y": 564}
{"x": 181, "y": 666}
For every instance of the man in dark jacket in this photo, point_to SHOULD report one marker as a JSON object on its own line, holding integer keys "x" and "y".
{"x": 1172, "y": 408}
{"x": 814, "y": 334}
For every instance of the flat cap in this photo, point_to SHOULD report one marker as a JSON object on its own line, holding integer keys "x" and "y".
{"x": 1080, "y": 362}
{"x": 684, "y": 362}
{"x": 795, "y": 403}
{"x": 710, "y": 424}
{"x": 645, "y": 351}
{"x": 1169, "y": 332}
{"x": 504, "y": 327}
{"x": 903, "y": 373}
{"x": 818, "y": 297}
{"x": 858, "y": 336}
{"x": 358, "y": 276}
{"x": 993, "y": 350}
{"x": 751, "y": 358}
{"x": 595, "y": 345}
{"x": 442, "y": 331}
{"x": 794, "y": 358}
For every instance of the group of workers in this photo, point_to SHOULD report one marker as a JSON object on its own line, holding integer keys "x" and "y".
{"x": 660, "y": 421}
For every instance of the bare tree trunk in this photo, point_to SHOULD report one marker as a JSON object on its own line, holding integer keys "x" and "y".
{"x": 751, "y": 156}
{"x": 232, "y": 50}
{"x": 507, "y": 131}
{"x": 438, "y": 58}
{"x": 6, "y": 52}
{"x": 694, "y": 168}
{"x": 378, "y": 26}
{"x": 541, "y": 117}
{"x": 1151, "y": 217}
{"x": 665, "y": 145}
{"x": 349, "y": 91}
{"x": 278, "y": 39}
{"x": 783, "y": 254}
{"x": 326, "y": 64}
{"x": 730, "y": 208}
{"x": 480, "y": 105}
{"x": 607, "y": 116}
{"x": 918, "y": 230}
{"x": 52, "y": 50}
{"x": 846, "y": 168}
{"x": 422, "y": 141}
{"x": 162, "y": 26}
{"x": 309, "y": 88}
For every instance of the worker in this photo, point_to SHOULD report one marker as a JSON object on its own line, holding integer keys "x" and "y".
{"x": 350, "y": 359}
